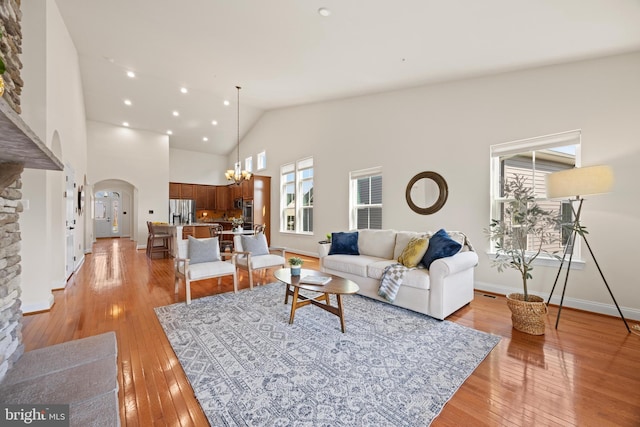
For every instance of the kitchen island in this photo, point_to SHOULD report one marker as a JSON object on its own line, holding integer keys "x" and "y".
{"x": 199, "y": 230}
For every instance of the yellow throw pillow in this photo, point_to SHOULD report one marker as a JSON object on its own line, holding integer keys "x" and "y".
{"x": 413, "y": 253}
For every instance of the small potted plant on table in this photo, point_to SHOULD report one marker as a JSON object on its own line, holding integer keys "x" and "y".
{"x": 520, "y": 237}
{"x": 296, "y": 264}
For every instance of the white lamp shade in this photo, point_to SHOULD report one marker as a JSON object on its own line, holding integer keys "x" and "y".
{"x": 579, "y": 182}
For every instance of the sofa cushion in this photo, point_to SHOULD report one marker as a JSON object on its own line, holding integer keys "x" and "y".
{"x": 402, "y": 240}
{"x": 377, "y": 243}
{"x": 203, "y": 250}
{"x": 349, "y": 264}
{"x": 375, "y": 269}
{"x": 415, "y": 278}
{"x": 413, "y": 252}
{"x": 440, "y": 246}
{"x": 344, "y": 243}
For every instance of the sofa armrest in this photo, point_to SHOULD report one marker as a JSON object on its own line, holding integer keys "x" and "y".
{"x": 323, "y": 249}
{"x": 451, "y": 265}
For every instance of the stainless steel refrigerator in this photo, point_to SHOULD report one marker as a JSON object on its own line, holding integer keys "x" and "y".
{"x": 182, "y": 211}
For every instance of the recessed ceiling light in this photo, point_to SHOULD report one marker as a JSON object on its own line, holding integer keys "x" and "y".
{"x": 125, "y": 124}
{"x": 214, "y": 122}
{"x": 169, "y": 132}
{"x": 176, "y": 114}
{"x": 323, "y": 11}
{"x": 127, "y": 102}
{"x": 131, "y": 74}
{"x": 184, "y": 90}
{"x": 226, "y": 102}
{"x": 205, "y": 139}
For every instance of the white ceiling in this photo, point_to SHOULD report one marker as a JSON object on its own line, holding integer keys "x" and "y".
{"x": 283, "y": 53}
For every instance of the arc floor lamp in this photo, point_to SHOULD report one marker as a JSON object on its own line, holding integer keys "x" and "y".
{"x": 573, "y": 184}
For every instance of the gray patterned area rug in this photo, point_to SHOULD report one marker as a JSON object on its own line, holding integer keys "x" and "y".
{"x": 249, "y": 367}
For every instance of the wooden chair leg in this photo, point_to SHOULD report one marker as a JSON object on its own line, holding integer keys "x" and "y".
{"x": 235, "y": 282}
{"x": 187, "y": 283}
{"x": 250, "y": 272}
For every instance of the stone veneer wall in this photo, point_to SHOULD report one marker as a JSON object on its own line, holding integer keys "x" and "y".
{"x": 10, "y": 48}
{"x": 11, "y": 347}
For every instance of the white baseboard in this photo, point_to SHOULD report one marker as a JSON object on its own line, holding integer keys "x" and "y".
{"x": 79, "y": 264}
{"x": 580, "y": 304}
{"x": 33, "y": 307}
{"x": 306, "y": 253}
{"x": 141, "y": 247}
{"x": 58, "y": 284}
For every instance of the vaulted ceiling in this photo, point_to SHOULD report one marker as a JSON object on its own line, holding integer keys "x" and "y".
{"x": 285, "y": 52}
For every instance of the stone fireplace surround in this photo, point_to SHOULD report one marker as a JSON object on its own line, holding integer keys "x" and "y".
{"x": 11, "y": 347}
{"x": 20, "y": 148}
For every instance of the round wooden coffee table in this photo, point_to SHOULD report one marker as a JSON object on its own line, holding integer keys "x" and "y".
{"x": 337, "y": 286}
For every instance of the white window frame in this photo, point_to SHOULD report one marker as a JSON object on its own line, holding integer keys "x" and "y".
{"x": 248, "y": 164}
{"x": 353, "y": 193}
{"x": 536, "y": 144}
{"x": 261, "y": 160}
{"x": 297, "y": 169}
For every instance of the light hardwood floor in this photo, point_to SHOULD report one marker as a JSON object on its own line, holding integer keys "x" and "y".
{"x": 586, "y": 373}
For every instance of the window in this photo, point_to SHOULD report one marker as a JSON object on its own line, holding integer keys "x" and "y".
{"x": 533, "y": 159}
{"x": 365, "y": 195}
{"x": 248, "y": 164}
{"x": 296, "y": 196}
{"x": 261, "y": 160}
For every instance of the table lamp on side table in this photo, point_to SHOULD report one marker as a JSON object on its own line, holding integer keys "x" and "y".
{"x": 573, "y": 184}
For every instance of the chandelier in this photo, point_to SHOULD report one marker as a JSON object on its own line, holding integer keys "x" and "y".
{"x": 236, "y": 175}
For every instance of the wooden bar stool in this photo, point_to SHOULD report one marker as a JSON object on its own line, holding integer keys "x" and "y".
{"x": 158, "y": 233}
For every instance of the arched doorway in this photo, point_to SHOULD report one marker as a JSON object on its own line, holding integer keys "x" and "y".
{"x": 108, "y": 214}
{"x": 113, "y": 209}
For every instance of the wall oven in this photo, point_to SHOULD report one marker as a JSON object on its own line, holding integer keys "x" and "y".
{"x": 247, "y": 214}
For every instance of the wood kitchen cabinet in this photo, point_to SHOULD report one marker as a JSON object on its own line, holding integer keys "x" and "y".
{"x": 202, "y": 196}
{"x": 187, "y": 191}
{"x": 197, "y": 231}
{"x": 188, "y": 230}
{"x": 211, "y": 197}
{"x": 174, "y": 190}
{"x": 247, "y": 189}
{"x": 236, "y": 191}
{"x": 223, "y": 198}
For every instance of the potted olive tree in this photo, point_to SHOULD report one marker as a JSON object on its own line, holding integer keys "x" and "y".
{"x": 520, "y": 236}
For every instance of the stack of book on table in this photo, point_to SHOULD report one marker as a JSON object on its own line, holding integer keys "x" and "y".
{"x": 315, "y": 280}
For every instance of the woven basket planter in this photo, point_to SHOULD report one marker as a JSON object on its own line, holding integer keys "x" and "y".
{"x": 527, "y": 316}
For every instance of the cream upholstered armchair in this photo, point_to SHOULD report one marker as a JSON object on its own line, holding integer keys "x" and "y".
{"x": 253, "y": 253}
{"x": 200, "y": 259}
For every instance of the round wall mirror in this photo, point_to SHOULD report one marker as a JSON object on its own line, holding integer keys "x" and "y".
{"x": 427, "y": 193}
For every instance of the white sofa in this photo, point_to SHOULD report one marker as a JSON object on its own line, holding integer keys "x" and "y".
{"x": 437, "y": 292}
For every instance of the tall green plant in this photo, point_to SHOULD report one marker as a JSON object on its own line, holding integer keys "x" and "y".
{"x": 523, "y": 219}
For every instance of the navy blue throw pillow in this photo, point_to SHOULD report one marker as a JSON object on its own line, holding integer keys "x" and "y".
{"x": 344, "y": 243}
{"x": 440, "y": 246}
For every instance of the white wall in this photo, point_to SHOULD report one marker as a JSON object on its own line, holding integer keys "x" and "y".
{"x": 197, "y": 168}
{"x": 138, "y": 157}
{"x": 448, "y": 128}
{"x": 53, "y": 107}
